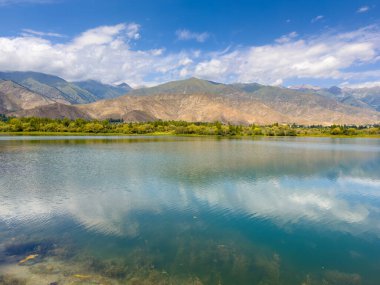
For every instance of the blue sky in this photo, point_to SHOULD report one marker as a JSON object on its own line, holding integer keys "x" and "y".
{"x": 335, "y": 42}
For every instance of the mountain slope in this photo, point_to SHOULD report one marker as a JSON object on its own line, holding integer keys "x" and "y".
{"x": 14, "y": 97}
{"x": 309, "y": 108}
{"x": 200, "y": 100}
{"x": 54, "y": 111}
{"x": 124, "y": 86}
{"x": 188, "y": 86}
{"x": 369, "y": 96}
{"x": 50, "y": 86}
{"x": 103, "y": 91}
{"x": 187, "y": 107}
{"x": 47, "y": 91}
{"x": 358, "y": 97}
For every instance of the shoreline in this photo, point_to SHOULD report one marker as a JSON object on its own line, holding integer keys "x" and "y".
{"x": 165, "y": 134}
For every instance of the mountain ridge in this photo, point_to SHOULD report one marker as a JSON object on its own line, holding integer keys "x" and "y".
{"x": 62, "y": 91}
{"x": 366, "y": 97}
{"x": 15, "y": 97}
{"x": 201, "y": 100}
{"x": 259, "y": 107}
{"x": 103, "y": 91}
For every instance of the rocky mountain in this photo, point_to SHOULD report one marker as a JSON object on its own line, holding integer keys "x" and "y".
{"x": 201, "y": 100}
{"x": 124, "y": 86}
{"x": 53, "y": 111}
{"x": 61, "y": 91}
{"x": 187, "y": 107}
{"x": 103, "y": 91}
{"x": 185, "y": 87}
{"x": 50, "y": 86}
{"x": 357, "y": 97}
{"x": 369, "y": 96}
{"x": 14, "y": 97}
{"x": 306, "y": 107}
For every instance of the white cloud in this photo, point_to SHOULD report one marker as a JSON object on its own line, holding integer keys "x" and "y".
{"x": 363, "y": 9}
{"x": 335, "y": 206}
{"x": 186, "y": 35}
{"x": 287, "y": 38}
{"x": 278, "y": 82}
{"x": 133, "y": 31}
{"x": 107, "y": 34}
{"x": 317, "y": 18}
{"x": 185, "y": 61}
{"x": 30, "y": 32}
{"x": 326, "y": 56}
{"x": 369, "y": 84}
{"x": 106, "y": 53}
{"x": 101, "y": 53}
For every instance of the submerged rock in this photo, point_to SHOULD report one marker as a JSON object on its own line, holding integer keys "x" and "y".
{"x": 82, "y": 276}
{"x": 28, "y": 258}
{"x": 334, "y": 277}
{"x": 28, "y": 248}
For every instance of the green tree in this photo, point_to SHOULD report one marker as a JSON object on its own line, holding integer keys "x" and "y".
{"x": 336, "y": 131}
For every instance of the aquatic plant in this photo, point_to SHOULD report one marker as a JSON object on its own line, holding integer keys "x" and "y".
{"x": 11, "y": 280}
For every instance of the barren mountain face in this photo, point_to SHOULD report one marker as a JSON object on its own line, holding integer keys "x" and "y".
{"x": 197, "y": 100}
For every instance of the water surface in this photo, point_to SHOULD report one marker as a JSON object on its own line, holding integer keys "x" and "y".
{"x": 173, "y": 210}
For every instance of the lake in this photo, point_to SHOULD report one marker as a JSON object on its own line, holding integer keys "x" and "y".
{"x": 189, "y": 210}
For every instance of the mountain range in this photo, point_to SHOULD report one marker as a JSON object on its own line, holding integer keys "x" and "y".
{"x": 42, "y": 95}
{"x": 61, "y": 91}
{"x": 358, "y": 97}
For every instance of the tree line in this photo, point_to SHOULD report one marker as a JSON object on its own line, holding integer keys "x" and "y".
{"x": 44, "y": 125}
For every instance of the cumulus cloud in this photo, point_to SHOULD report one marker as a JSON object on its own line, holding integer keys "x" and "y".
{"x": 287, "y": 38}
{"x": 185, "y": 35}
{"x": 107, "y": 54}
{"x": 133, "y": 31}
{"x": 326, "y": 56}
{"x": 98, "y": 36}
{"x": 317, "y": 18}
{"x": 102, "y": 53}
{"x": 363, "y": 9}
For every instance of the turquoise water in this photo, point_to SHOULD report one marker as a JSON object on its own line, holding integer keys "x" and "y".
{"x": 172, "y": 210}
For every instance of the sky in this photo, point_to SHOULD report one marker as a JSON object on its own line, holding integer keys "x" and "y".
{"x": 144, "y": 43}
